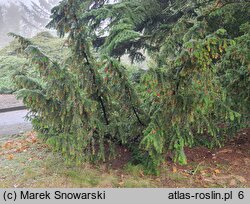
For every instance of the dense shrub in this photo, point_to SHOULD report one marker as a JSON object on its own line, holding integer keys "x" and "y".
{"x": 87, "y": 105}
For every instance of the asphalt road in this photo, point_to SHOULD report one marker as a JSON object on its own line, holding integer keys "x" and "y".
{"x": 14, "y": 122}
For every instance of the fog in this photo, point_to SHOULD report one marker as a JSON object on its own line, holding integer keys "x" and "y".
{"x": 24, "y": 17}
{"x": 27, "y": 2}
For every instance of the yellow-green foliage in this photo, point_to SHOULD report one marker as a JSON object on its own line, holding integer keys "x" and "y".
{"x": 8, "y": 65}
{"x": 12, "y": 61}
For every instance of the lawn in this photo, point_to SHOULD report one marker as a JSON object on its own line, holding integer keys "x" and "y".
{"x": 26, "y": 161}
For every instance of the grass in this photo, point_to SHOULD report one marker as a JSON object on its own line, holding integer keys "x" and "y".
{"x": 37, "y": 166}
{"x": 25, "y": 161}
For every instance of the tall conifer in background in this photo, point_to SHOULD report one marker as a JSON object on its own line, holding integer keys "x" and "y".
{"x": 35, "y": 17}
{"x": 1, "y": 22}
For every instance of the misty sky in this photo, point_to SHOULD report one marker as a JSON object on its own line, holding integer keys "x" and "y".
{"x": 11, "y": 20}
{"x": 27, "y": 2}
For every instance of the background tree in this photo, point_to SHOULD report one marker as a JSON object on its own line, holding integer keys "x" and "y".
{"x": 1, "y": 22}
{"x": 24, "y": 17}
{"x": 36, "y": 16}
{"x": 12, "y": 20}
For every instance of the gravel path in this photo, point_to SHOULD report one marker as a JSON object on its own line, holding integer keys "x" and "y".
{"x": 8, "y": 101}
{"x": 12, "y": 122}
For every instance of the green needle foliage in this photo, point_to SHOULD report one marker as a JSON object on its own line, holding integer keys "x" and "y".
{"x": 195, "y": 92}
